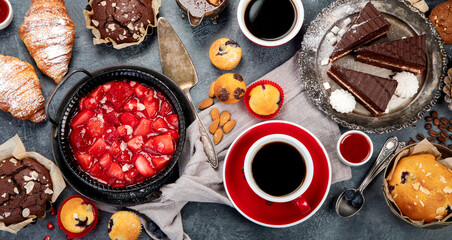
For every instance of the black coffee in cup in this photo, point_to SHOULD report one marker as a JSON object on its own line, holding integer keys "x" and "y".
{"x": 270, "y": 19}
{"x": 278, "y": 168}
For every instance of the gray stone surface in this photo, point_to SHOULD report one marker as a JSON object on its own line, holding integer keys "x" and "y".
{"x": 209, "y": 221}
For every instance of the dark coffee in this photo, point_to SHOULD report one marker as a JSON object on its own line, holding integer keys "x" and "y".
{"x": 270, "y": 19}
{"x": 278, "y": 168}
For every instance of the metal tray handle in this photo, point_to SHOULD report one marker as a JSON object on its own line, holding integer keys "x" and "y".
{"x": 58, "y": 87}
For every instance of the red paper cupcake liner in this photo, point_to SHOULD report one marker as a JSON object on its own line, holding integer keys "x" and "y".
{"x": 247, "y": 99}
{"x": 71, "y": 235}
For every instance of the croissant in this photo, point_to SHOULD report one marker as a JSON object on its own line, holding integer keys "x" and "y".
{"x": 20, "y": 90}
{"x": 48, "y": 33}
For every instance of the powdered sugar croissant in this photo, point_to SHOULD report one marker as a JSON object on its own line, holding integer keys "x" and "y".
{"x": 48, "y": 33}
{"x": 20, "y": 90}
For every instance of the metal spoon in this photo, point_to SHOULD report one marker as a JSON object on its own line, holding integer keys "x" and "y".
{"x": 352, "y": 200}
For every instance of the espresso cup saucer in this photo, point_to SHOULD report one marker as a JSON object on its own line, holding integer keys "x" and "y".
{"x": 259, "y": 210}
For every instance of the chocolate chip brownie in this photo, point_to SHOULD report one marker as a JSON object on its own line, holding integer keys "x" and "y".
{"x": 122, "y": 21}
{"x": 440, "y": 17}
{"x": 25, "y": 188}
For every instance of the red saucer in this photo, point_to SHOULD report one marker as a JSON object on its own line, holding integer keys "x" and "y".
{"x": 257, "y": 209}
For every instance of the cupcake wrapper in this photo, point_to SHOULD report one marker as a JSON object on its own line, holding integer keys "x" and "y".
{"x": 71, "y": 235}
{"x": 247, "y": 98}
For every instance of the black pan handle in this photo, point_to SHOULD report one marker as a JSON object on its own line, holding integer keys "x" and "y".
{"x": 58, "y": 87}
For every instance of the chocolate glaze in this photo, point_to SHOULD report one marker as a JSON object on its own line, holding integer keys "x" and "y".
{"x": 371, "y": 91}
{"x": 403, "y": 54}
{"x": 369, "y": 25}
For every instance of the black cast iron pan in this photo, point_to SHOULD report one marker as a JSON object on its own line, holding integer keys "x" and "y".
{"x": 80, "y": 181}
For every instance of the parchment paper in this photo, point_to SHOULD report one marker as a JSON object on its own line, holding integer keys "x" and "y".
{"x": 99, "y": 40}
{"x": 15, "y": 148}
{"x": 422, "y": 147}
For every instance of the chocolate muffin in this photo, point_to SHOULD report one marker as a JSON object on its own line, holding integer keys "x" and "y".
{"x": 121, "y": 22}
{"x": 440, "y": 17}
{"x": 25, "y": 188}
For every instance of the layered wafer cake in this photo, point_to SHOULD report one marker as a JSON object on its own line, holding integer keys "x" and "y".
{"x": 407, "y": 54}
{"x": 371, "y": 91}
{"x": 369, "y": 25}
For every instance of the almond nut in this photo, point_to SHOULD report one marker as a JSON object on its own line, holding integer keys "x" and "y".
{"x": 212, "y": 90}
{"x": 214, "y": 114}
{"x": 205, "y": 104}
{"x": 224, "y": 117}
{"x": 229, "y": 126}
{"x": 218, "y": 135}
{"x": 214, "y": 125}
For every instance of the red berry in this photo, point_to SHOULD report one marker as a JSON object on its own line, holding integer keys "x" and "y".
{"x": 50, "y": 226}
{"x": 151, "y": 107}
{"x": 131, "y": 105}
{"x": 84, "y": 160}
{"x": 144, "y": 166}
{"x": 53, "y": 212}
{"x": 173, "y": 120}
{"x": 95, "y": 127}
{"x": 119, "y": 93}
{"x": 81, "y": 118}
{"x": 90, "y": 103}
{"x": 115, "y": 171}
{"x": 159, "y": 125}
{"x": 143, "y": 128}
{"x": 135, "y": 144}
{"x": 164, "y": 144}
{"x": 128, "y": 119}
{"x": 140, "y": 90}
{"x": 98, "y": 148}
{"x": 97, "y": 93}
{"x": 47, "y": 238}
{"x": 165, "y": 108}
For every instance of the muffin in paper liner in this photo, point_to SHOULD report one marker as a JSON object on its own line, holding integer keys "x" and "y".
{"x": 247, "y": 99}
{"x": 418, "y": 148}
{"x": 139, "y": 31}
{"x": 15, "y": 148}
{"x": 69, "y": 234}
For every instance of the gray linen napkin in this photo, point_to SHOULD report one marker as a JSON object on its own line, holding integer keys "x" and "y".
{"x": 198, "y": 182}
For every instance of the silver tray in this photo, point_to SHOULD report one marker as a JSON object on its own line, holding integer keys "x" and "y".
{"x": 406, "y": 21}
{"x": 447, "y": 88}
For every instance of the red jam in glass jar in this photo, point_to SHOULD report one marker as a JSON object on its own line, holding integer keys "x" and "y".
{"x": 355, "y": 148}
{"x": 4, "y": 10}
{"x": 124, "y": 133}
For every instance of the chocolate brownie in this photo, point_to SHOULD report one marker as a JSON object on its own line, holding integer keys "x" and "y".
{"x": 440, "y": 17}
{"x": 25, "y": 188}
{"x": 123, "y": 21}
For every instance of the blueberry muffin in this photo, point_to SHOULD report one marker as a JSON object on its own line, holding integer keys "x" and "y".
{"x": 225, "y": 53}
{"x": 124, "y": 225}
{"x": 264, "y": 99}
{"x": 77, "y": 216}
{"x": 421, "y": 188}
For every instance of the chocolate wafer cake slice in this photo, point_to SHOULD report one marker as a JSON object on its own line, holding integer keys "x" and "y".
{"x": 371, "y": 91}
{"x": 369, "y": 25}
{"x": 407, "y": 54}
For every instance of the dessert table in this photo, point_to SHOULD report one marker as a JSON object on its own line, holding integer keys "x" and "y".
{"x": 201, "y": 220}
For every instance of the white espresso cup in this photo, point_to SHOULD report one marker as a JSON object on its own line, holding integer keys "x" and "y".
{"x": 298, "y": 23}
{"x": 296, "y": 194}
